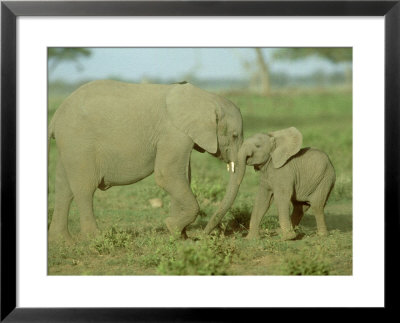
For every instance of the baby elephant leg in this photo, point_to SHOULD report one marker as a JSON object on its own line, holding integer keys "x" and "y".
{"x": 318, "y": 211}
{"x": 318, "y": 203}
{"x": 283, "y": 204}
{"x": 261, "y": 206}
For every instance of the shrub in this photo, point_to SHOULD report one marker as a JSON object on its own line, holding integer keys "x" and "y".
{"x": 210, "y": 256}
{"x": 305, "y": 263}
{"x": 111, "y": 240}
{"x": 274, "y": 246}
{"x": 238, "y": 219}
{"x": 153, "y": 250}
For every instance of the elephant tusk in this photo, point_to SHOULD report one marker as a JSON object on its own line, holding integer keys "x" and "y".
{"x": 230, "y": 167}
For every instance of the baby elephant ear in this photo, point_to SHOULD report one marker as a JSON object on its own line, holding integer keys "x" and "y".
{"x": 193, "y": 111}
{"x": 287, "y": 143}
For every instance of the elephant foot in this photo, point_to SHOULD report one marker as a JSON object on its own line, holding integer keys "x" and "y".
{"x": 208, "y": 228}
{"x": 184, "y": 235}
{"x": 289, "y": 235}
{"x": 175, "y": 229}
{"x": 323, "y": 233}
{"x": 89, "y": 228}
{"x": 252, "y": 236}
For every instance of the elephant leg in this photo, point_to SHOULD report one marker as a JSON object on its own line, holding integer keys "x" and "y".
{"x": 83, "y": 183}
{"x": 184, "y": 207}
{"x": 172, "y": 173}
{"x": 297, "y": 214}
{"x": 84, "y": 202}
{"x": 318, "y": 212}
{"x": 318, "y": 202}
{"x": 189, "y": 178}
{"x": 261, "y": 206}
{"x": 63, "y": 196}
{"x": 282, "y": 200}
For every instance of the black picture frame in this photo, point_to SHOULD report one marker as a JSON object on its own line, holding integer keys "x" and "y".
{"x": 10, "y": 10}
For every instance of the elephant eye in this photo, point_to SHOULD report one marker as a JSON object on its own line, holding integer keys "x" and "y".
{"x": 258, "y": 145}
{"x": 235, "y": 135}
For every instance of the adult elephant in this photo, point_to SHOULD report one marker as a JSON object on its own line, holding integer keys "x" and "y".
{"x": 111, "y": 133}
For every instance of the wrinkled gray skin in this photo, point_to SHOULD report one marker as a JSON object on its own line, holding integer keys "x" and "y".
{"x": 303, "y": 177}
{"x": 111, "y": 133}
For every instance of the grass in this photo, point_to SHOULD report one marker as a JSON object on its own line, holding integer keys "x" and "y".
{"x": 135, "y": 241}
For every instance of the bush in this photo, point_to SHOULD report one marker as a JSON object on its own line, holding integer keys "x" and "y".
{"x": 111, "y": 240}
{"x": 238, "y": 219}
{"x": 153, "y": 250}
{"x": 305, "y": 263}
{"x": 210, "y": 256}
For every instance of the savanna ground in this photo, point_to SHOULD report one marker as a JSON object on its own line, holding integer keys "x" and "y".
{"x": 135, "y": 241}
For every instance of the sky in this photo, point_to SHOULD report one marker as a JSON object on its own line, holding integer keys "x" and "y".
{"x": 176, "y": 63}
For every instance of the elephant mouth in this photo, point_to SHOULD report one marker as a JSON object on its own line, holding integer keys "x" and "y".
{"x": 218, "y": 155}
{"x": 259, "y": 167}
{"x": 224, "y": 156}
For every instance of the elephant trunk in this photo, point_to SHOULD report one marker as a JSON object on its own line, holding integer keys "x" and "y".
{"x": 235, "y": 180}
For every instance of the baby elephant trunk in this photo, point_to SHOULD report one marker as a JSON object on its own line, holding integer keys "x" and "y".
{"x": 237, "y": 173}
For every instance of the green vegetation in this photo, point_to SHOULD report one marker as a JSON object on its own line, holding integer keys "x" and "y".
{"x": 208, "y": 256}
{"x": 56, "y": 55}
{"x": 335, "y": 55}
{"x": 135, "y": 241}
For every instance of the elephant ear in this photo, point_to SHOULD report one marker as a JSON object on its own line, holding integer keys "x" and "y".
{"x": 287, "y": 143}
{"x": 194, "y": 112}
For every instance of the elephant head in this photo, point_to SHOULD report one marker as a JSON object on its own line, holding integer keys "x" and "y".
{"x": 211, "y": 121}
{"x": 278, "y": 146}
{"x": 256, "y": 151}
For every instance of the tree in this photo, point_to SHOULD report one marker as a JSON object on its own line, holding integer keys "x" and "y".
{"x": 258, "y": 71}
{"x": 56, "y": 55}
{"x": 264, "y": 72}
{"x": 334, "y": 55}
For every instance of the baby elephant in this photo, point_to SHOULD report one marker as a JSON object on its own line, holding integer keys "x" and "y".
{"x": 303, "y": 177}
